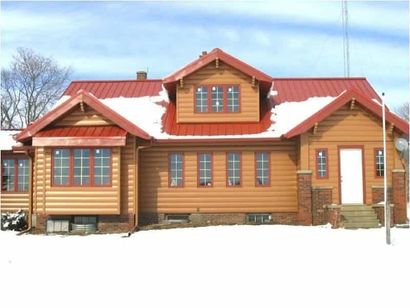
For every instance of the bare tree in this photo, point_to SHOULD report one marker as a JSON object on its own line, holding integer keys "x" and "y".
{"x": 29, "y": 87}
{"x": 403, "y": 110}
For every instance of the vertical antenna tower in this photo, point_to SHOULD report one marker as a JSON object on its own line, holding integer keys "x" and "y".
{"x": 346, "y": 55}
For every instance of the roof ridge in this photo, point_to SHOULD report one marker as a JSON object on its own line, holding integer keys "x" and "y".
{"x": 319, "y": 78}
{"x": 121, "y": 80}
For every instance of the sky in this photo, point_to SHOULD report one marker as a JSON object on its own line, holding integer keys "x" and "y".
{"x": 113, "y": 40}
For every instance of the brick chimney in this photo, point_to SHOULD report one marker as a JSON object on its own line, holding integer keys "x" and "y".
{"x": 141, "y": 75}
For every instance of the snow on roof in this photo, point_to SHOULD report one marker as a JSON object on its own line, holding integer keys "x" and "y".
{"x": 6, "y": 139}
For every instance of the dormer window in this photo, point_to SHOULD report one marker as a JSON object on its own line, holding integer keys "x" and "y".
{"x": 217, "y": 98}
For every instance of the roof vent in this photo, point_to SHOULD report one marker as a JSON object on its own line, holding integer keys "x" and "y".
{"x": 141, "y": 75}
{"x": 204, "y": 53}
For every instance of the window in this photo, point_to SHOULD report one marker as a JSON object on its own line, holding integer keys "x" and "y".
{"x": 217, "y": 98}
{"x": 259, "y": 218}
{"x": 176, "y": 170}
{"x": 202, "y": 99}
{"x": 233, "y": 98}
{"x": 379, "y": 162}
{"x": 321, "y": 164}
{"x": 262, "y": 168}
{"x": 15, "y": 174}
{"x": 205, "y": 169}
{"x": 81, "y": 167}
{"x": 234, "y": 169}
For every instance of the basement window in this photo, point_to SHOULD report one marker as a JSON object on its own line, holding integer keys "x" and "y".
{"x": 177, "y": 218}
{"x": 259, "y": 218}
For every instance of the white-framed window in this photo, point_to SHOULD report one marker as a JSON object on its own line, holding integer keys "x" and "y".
{"x": 176, "y": 170}
{"x": 379, "y": 162}
{"x": 102, "y": 167}
{"x": 217, "y": 98}
{"x": 234, "y": 169}
{"x": 262, "y": 168}
{"x": 81, "y": 167}
{"x": 232, "y": 93}
{"x": 61, "y": 167}
{"x": 201, "y": 99}
{"x": 321, "y": 163}
{"x": 204, "y": 169}
{"x": 23, "y": 173}
{"x": 8, "y": 175}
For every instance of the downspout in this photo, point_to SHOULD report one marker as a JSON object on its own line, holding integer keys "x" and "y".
{"x": 30, "y": 198}
{"x": 136, "y": 196}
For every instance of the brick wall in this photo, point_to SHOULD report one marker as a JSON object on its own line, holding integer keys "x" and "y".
{"x": 320, "y": 196}
{"x": 378, "y": 194}
{"x": 399, "y": 196}
{"x": 304, "y": 182}
{"x": 115, "y": 223}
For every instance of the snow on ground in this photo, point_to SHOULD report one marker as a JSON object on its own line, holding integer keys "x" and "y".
{"x": 225, "y": 266}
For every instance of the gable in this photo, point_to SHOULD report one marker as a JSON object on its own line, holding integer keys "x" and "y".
{"x": 82, "y": 117}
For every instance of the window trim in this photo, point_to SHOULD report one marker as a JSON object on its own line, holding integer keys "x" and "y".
{"x": 375, "y": 150}
{"x": 318, "y": 177}
{"x": 227, "y": 169}
{"x": 16, "y": 182}
{"x": 169, "y": 170}
{"x": 225, "y": 99}
{"x": 198, "y": 170}
{"x": 256, "y": 169}
{"x": 71, "y": 167}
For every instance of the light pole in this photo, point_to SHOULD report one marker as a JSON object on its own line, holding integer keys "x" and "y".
{"x": 386, "y": 205}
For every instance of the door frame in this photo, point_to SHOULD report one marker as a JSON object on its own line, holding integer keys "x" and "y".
{"x": 343, "y": 147}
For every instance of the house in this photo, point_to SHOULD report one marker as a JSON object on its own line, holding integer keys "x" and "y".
{"x": 216, "y": 142}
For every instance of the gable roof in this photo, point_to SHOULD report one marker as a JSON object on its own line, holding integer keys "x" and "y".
{"x": 212, "y": 56}
{"x": 369, "y": 104}
{"x": 90, "y": 100}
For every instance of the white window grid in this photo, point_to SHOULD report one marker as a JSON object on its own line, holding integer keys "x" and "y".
{"x": 379, "y": 163}
{"x": 262, "y": 168}
{"x": 102, "y": 166}
{"x": 234, "y": 169}
{"x": 202, "y": 99}
{"x": 81, "y": 167}
{"x": 61, "y": 163}
{"x": 217, "y": 98}
{"x": 205, "y": 169}
{"x": 23, "y": 174}
{"x": 8, "y": 174}
{"x": 321, "y": 163}
{"x": 233, "y": 98}
{"x": 176, "y": 169}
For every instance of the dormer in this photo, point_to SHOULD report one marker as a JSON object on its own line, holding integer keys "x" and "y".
{"x": 218, "y": 88}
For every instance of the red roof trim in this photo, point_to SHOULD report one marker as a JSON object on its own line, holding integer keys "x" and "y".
{"x": 90, "y": 100}
{"x": 223, "y": 56}
{"x": 212, "y": 140}
{"x": 80, "y": 141}
{"x": 367, "y": 103}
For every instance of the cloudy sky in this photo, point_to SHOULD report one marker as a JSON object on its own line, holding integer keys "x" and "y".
{"x": 112, "y": 40}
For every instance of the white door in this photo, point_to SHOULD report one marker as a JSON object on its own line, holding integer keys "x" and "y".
{"x": 351, "y": 176}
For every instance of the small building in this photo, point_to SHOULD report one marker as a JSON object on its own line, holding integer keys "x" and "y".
{"x": 216, "y": 142}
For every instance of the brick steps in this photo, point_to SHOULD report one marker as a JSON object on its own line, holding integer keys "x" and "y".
{"x": 359, "y": 216}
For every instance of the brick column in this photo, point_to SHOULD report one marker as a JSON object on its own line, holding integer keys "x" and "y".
{"x": 304, "y": 178}
{"x": 320, "y": 196}
{"x": 399, "y": 196}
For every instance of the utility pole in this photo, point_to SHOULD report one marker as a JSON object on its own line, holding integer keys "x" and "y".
{"x": 386, "y": 204}
{"x": 345, "y": 23}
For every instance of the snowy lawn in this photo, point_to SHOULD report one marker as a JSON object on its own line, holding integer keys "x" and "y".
{"x": 227, "y": 266}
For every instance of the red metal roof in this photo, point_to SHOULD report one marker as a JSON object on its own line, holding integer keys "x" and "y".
{"x": 171, "y": 127}
{"x": 300, "y": 89}
{"x": 83, "y": 131}
{"x": 223, "y": 56}
{"x": 116, "y": 88}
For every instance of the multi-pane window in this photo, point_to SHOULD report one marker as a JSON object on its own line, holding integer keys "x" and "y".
{"x": 61, "y": 167}
{"x": 205, "y": 169}
{"x": 234, "y": 169}
{"x": 176, "y": 170}
{"x": 321, "y": 163}
{"x": 201, "y": 99}
{"x": 15, "y": 174}
{"x": 102, "y": 166}
{"x": 217, "y": 98}
{"x": 81, "y": 167}
{"x": 233, "y": 98}
{"x": 379, "y": 160}
{"x": 262, "y": 168}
